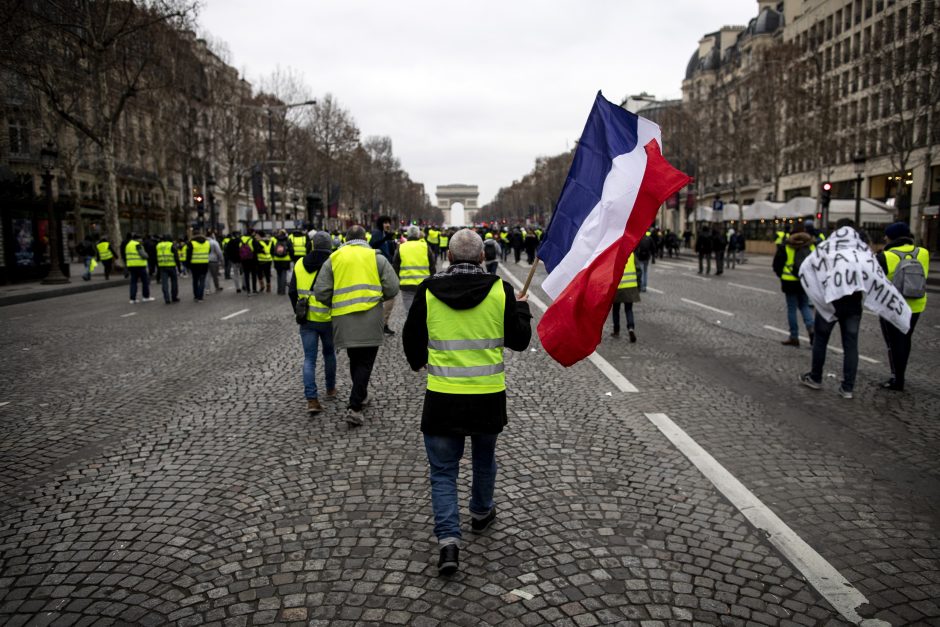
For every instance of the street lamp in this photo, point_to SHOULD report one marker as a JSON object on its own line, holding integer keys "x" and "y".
{"x": 210, "y": 196}
{"x": 47, "y": 160}
{"x": 269, "y": 110}
{"x": 859, "y": 161}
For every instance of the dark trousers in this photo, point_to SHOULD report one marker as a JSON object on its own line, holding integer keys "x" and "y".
{"x": 170, "y": 283}
{"x": 281, "y": 279}
{"x": 108, "y": 266}
{"x": 361, "y": 360}
{"x": 139, "y": 273}
{"x": 899, "y": 347}
{"x": 492, "y": 266}
{"x": 264, "y": 273}
{"x": 848, "y": 326}
{"x": 707, "y": 257}
{"x": 719, "y": 261}
{"x": 228, "y": 269}
{"x": 250, "y": 277}
{"x": 199, "y": 272}
{"x": 517, "y": 253}
{"x": 628, "y": 313}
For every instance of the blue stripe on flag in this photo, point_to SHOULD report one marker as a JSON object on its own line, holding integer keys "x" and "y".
{"x": 610, "y": 131}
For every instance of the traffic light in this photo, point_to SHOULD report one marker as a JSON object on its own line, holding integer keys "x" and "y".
{"x": 826, "y": 194}
{"x": 199, "y": 201}
{"x": 819, "y": 215}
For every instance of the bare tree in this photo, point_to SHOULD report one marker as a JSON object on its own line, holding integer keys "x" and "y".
{"x": 89, "y": 59}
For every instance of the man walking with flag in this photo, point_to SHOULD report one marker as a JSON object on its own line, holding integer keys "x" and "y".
{"x": 457, "y": 327}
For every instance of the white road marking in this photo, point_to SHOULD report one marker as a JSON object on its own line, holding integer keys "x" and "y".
{"x": 2, "y": 403}
{"x": 835, "y": 349}
{"x": 695, "y": 276}
{"x": 602, "y": 364}
{"x": 237, "y": 313}
{"x": 715, "y": 309}
{"x": 748, "y": 287}
{"x": 128, "y": 315}
{"x": 612, "y": 373}
{"x": 522, "y": 594}
{"x": 828, "y": 581}
{"x": 654, "y": 290}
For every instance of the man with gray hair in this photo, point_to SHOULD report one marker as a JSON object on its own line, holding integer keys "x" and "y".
{"x": 352, "y": 282}
{"x": 414, "y": 262}
{"x": 458, "y": 325}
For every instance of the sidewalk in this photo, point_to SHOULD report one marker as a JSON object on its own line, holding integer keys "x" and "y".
{"x": 25, "y": 292}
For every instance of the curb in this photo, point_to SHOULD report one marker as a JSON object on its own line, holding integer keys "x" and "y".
{"x": 16, "y": 299}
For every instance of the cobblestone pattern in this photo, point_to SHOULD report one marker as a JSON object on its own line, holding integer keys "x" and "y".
{"x": 150, "y": 493}
{"x": 859, "y": 480}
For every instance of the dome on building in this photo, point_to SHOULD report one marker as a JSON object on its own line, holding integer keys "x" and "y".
{"x": 768, "y": 22}
{"x": 692, "y": 66}
{"x": 712, "y": 60}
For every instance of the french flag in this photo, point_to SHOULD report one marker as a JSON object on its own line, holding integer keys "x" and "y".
{"x": 615, "y": 186}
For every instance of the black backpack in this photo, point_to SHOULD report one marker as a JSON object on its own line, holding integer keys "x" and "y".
{"x": 490, "y": 250}
{"x": 799, "y": 256}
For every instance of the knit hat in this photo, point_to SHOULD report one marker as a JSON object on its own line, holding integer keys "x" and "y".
{"x": 322, "y": 241}
{"x": 898, "y": 230}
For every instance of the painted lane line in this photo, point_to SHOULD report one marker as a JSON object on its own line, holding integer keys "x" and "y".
{"x": 715, "y": 309}
{"x": 748, "y": 287}
{"x": 654, "y": 290}
{"x": 2, "y": 403}
{"x": 237, "y": 313}
{"x": 695, "y": 276}
{"x": 820, "y": 574}
{"x": 128, "y": 315}
{"x": 612, "y": 373}
{"x": 835, "y": 349}
{"x": 522, "y": 594}
{"x": 602, "y": 364}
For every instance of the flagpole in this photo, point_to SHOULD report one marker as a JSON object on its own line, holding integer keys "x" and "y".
{"x": 525, "y": 288}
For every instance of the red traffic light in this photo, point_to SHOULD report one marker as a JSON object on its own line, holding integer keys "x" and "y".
{"x": 197, "y": 198}
{"x": 819, "y": 216}
{"x": 827, "y": 186}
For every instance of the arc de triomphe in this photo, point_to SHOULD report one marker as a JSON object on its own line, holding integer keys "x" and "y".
{"x": 456, "y": 199}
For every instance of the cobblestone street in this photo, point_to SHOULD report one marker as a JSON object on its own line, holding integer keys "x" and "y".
{"x": 157, "y": 465}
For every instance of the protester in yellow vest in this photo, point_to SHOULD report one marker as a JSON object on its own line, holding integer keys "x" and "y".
{"x": 135, "y": 260}
{"x": 628, "y": 292}
{"x": 298, "y": 242}
{"x": 414, "y": 262}
{"x": 900, "y": 249}
{"x": 197, "y": 259}
{"x": 167, "y": 260}
{"x": 786, "y": 265}
{"x": 264, "y": 261}
{"x": 281, "y": 256}
{"x": 460, "y": 322}
{"x": 104, "y": 252}
{"x": 353, "y": 281}
{"x": 314, "y": 320}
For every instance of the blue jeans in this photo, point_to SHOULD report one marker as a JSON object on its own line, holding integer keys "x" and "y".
{"x": 199, "y": 272}
{"x": 87, "y": 273}
{"x": 444, "y": 453}
{"x": 849, "y": 329}
{"x": 628, "y": 312}
{"x": 139, "y": 273}
{"x": 167, "y": 279}
{"x": 644, "y": 273}
{"x": 801, "y": 302}
{"x": 310, "y": 334}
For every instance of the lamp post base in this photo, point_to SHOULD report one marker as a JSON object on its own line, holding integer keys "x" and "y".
{"x": 55, "y": 277}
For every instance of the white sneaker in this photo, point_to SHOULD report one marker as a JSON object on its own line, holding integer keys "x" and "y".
{"x": 148, "y": 299}
{"x": 133, "y": 302}
{"x": 353, "y": 417}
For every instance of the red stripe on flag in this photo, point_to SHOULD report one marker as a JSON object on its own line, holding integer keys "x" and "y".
{"x": 571, "y": 327}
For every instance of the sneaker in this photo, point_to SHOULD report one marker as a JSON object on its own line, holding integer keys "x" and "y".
{"x": 479, "y": 525}
{"x": 632, "y": 336}
{"x": 448, "y": 563}
{"x": 891, "y": 384}
{"x": 366, "y": 400}
{"x": 615, "y": 334}
{"x": 807, "y": 380}
{"x": 331, "y": 394}
{"x": 844, "y": 393}
{"x": 133, "y": 302}
{"x": 388, "y": 331}
{"x": 793, "y": 341}
{"x": 313, "y": 406}
{"x": 149, "y": 299}
{"x": 353, "y": 417}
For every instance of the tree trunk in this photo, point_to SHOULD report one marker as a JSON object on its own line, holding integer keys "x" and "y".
{"x": 231, "y": 212}
{"x": 111, "y": 218}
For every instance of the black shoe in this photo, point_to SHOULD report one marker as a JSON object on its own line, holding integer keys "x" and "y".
{"x": 891, "y": 384}
{"x": 615, "y": 334}
{"x": 479, "y": 525}
{"x": 388, "y": 331}
{"x": 632, "y": 336}
{"x": 448, "y": 563}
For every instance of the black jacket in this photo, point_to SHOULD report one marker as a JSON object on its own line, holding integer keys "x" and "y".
{"x": 474, "y": 413}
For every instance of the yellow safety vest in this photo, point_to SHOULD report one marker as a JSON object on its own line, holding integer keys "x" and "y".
{"x": 781, "y": 236}
{"x": 893, "y": 258}
{"x": 368, "y": 236}
{"x": 465, "y": 346}
{"x": 316, "y": 311}
{"x": 299, "y": 242}
{"x": 434, "y": 236}
{"x": 504, "y": 237}
{"x": 356, "y": 282}
{"x": 629, "y": 274}
{"x": 104, "y": 251}
{"x": 414, "y": 263}
{"x": 445, "y": 240}
{"x": 200, "y": 254}
{"x": 789, "y": 272}
{"x": 165, "y": 258}
{"x": 132, "y": 258}
{"x": 265, "y": 255}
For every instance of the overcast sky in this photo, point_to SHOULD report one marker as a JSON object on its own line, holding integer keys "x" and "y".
{"x": 471, "y": 92}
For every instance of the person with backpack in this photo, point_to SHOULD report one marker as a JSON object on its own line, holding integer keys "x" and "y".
{"x": 247, "y": 254}
{"x": 786, "y": 265}
{"x": 644, "y": 252}
{"x": 906, "y": 266}
{"x": 491, "y": 254}
{"x": 263, "y": 255}
{"x": 281, "y": 253}
{"x": 413, "y": 262}
{"x": 232, "y": 256}
{"x": 719, "y": 244}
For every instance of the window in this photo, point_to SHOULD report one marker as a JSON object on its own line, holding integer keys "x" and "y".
{"x": 868, "y": 9}
{"x": 19, "y": 137}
